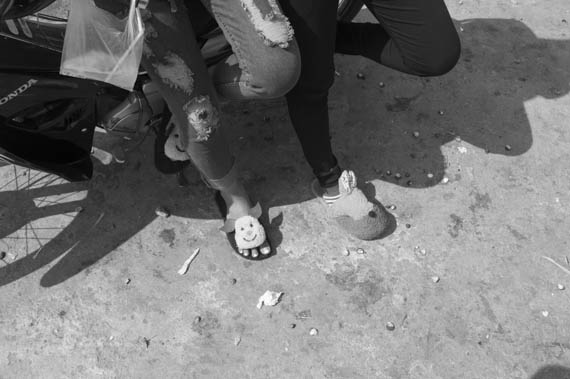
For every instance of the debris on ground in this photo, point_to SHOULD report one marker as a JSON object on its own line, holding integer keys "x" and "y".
{"x": 390, "y": 326}
{"x": 186, "y": 264}
{"x": 545, "y": 313}
{"x": 162, "y": 212}
{"x": 346, "y": 252}
{"x": 237, "y": 340}
{"x": 435, "y": 279}
{"x": 360, "y": 76}
{"x": 304, "y": 314}
{"x": 445, "y": 180}
{"x": 313, "y": 331}
{"x": 360, "y": 251}
{"x": 557, "y": 264}
{"x": 561, "y": 287}
{"x": 127, "y": 281}
{"x": 269, "y": 298}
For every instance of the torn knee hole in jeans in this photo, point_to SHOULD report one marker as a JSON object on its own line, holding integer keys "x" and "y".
{"x": 203, "y": 116}
{"x": 271, "y": 24}
{"x": 175, "y": 73}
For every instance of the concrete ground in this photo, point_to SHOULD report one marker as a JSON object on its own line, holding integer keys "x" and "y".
{"x": 485, "y": 212}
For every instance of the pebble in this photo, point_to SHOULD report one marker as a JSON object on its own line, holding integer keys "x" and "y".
{"x": 162, "y": 212}
{"x": 313, "y": 331}
{"x": 430, "y": 175}
{"x": 440, "y": 113}
{"x": 398, "y": 176}
{"x": 423, "y": 252}
{"x": 408, "y": 226}
{"x": 79, "y": 209}
{"x": 416, "y": 134}
{"x": 346, "y": 252}
{"x": 233, "y": 281}
{"x": 561, "y": 287}
{"x": 197, "y": 319}
{"x": 390, "y": 326}
{"x": 293, "y": 326}
{"x": 360, "y": 251}
{"x": 381, "y": 84}
{"x": 445, "y": 180}
{"x": 409, "y": 183}
{"x": 435, "y": 279}
{"x": 337, "y": 73}
{"x": 388, "y": 172}
{"x": 237, "y": 340}
{"x": 545, "y": 313}
{"x": 508, "y": 147}
{"x": 127, "y": 281}
{"x": 392, "y": 207}
{"x": 360, "y": 76}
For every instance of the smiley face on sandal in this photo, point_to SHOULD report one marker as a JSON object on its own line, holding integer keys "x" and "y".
{"x": 249, "y": 233}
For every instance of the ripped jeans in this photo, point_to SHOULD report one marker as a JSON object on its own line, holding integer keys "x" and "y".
{"x": 265, "y": 64}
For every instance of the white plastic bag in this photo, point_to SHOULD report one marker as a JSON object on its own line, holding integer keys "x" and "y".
{"x": 100, "y": 46}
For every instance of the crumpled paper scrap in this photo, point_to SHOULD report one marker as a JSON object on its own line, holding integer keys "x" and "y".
{"x": 269, "y": 298}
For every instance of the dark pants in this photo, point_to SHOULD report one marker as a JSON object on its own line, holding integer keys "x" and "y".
{"x": 412, "y": 36}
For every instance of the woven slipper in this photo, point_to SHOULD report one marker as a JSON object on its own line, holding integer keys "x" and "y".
{"x": 243, "y": 222}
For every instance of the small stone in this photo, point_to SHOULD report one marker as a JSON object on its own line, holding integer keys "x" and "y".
{"x": 435, "y": 279}
{"x": 423, "y": 252}
{"x": 313, "y": 331}
{"x": 392, "y": 207}
{"x": 237, "y": 340}
{"x": 561, "y": 287}
{"x": 79, "y": 209}
{"x": 398, "y": 176}
{"x": 409, "y": 183}
{"x": 416, "y": 134}
{"x": 408, "y": 226}
{"x": 390, "y": 326}
{"x": 293, "y": 326}
{"x": 162, "y": 212}
{"x": 457, "y": 139}
{"x": 233, "y": 281}
{"x": 111, "y": 338}
{"x": 381, "y": 84}
{"x": 440, "y": 112}
{"x": 545, "y": 313}
{"x": 388, "y": 172}
{"x": 127, "y": 281}
{"x": 337, "y": 73}
{"x": 346, "y": 252}
{"x": 508, "y": 147}
{"x": 430, "y": 175}
{"x": 360, "y": 76}
{"x": 360, "y": 251}
{"x": 197, "y": 319}
{"x": 445, "y": 180}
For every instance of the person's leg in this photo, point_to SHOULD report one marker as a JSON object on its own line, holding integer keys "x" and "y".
{"x": 172, "y": 59}
{"x": 412, "y": 36}
{"x": 314, "y": 23}
{"x": 265, "y": 62}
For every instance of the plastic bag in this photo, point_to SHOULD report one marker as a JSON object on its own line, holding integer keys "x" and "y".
{"x": 100, "y": 46}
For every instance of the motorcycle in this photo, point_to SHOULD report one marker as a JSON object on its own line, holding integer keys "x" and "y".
{"x": 47, "y": 121}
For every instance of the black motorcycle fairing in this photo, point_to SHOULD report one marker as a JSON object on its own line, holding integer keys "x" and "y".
{"x": 48, "y": 121}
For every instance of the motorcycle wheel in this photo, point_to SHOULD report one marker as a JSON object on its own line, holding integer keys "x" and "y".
{"x": 348, "y": 9}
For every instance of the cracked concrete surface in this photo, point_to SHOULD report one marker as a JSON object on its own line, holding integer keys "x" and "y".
{"x": 483, "y": 195}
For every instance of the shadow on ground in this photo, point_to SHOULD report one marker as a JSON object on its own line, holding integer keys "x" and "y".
{"x": 503, "y": 65}
{"x": 552, "y": 372}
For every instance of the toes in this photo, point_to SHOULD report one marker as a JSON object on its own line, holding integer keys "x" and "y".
{"x": 254, "y": 253}
{"x": 244, "y": 252}
{"x": 265, "y": 249}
